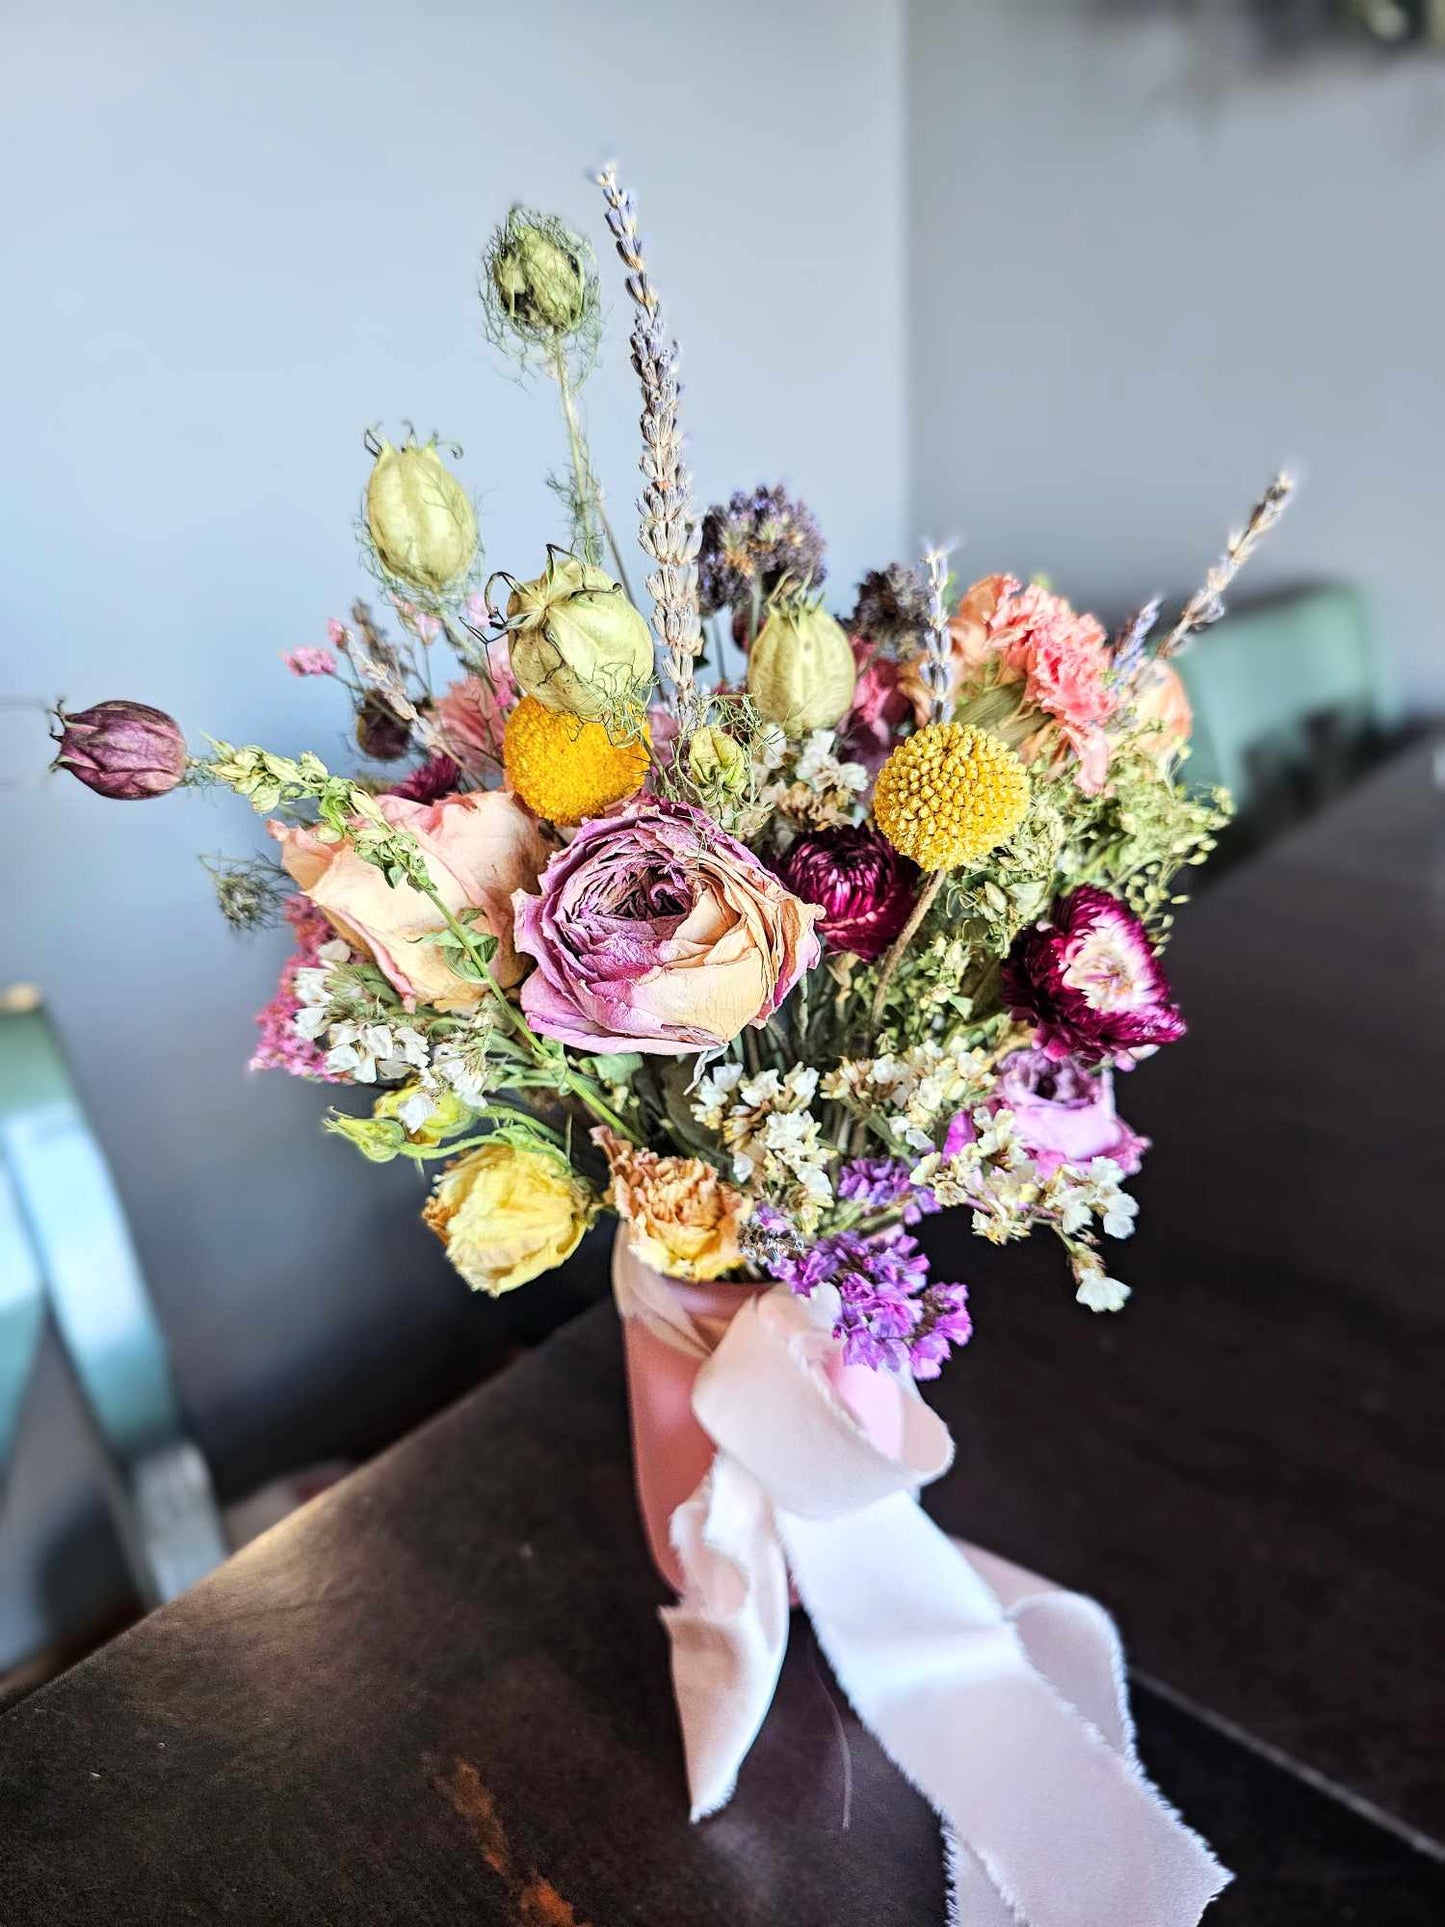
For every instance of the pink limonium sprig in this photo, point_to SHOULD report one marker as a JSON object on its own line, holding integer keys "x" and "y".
{"x": 670, "y": 531}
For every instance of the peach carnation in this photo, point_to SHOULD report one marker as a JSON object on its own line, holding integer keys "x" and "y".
{"x": 683, "y": 1217}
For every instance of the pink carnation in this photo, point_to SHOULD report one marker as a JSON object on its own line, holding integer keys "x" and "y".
{"x": 281, "y": 1048}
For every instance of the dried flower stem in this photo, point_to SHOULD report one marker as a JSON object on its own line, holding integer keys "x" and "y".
{"x": 670, "y": 533}
{"x": 901, "y": 942}
{"x": 1206, "y": 605}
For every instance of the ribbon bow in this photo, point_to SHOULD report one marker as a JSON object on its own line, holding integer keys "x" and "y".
{"x": 999, "y": 1696}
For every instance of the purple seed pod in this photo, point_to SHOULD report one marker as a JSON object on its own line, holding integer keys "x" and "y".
{"x": 122, "y": 749}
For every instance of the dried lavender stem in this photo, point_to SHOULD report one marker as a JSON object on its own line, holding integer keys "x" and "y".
{"x": 1206, "y": 605}
{"x": 669, "y": 532}
{"x": 936, "y": 676}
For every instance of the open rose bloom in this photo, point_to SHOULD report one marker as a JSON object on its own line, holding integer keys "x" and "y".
{"x": 655, "y": 932}
{"x": 769, "y": 915}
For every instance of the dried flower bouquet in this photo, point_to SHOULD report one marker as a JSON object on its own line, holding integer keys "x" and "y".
{"x": 770, "y": 962}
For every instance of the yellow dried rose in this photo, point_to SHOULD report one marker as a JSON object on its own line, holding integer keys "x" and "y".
{"x": 508, "y": 1212}
{"x": 683, "y": 1217}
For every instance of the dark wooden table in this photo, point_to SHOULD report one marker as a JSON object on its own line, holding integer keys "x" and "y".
{"x": 440, "y": 1693}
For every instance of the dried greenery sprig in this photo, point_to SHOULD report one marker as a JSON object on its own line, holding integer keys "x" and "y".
{"x": 1206, "y": 605}
{"x": 670, "y": 532}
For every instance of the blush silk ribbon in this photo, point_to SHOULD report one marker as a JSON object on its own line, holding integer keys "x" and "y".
{"x": 999, "y": 1696}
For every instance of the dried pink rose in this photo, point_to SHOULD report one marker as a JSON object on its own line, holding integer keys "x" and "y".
{"x": 479, "y": 849}
{"x": 472, "y": 714}
{"x": 1062, "y": 1114}
{"x": 657, "y": 932}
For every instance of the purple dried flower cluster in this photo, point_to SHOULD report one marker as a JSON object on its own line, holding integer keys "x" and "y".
{"x": 894, "y": 605}
{"x": 885, "y": 1184}
{"x": 752, "y": 543}
{"x": 891, "y": 1316}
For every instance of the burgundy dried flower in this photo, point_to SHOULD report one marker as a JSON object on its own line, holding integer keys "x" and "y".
{"x": 864, "y": 888}
{"x": 1088, "y": 977}
{"x": 122, "y": 749}
{"x": 430, "y": 781}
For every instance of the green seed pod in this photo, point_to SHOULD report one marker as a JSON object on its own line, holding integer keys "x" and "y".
{"x": 539, "y": 280}
{"x": 717, "y": 761}
{"x": 801, "y": 671}
{"x": 577, "y": 644}
{"x": 419, "y": 517}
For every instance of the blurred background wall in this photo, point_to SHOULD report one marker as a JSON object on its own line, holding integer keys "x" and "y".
{"x": 236, "y": 236}
{"x": 1059, "y": 278}
{"x": 1160, "y": 247}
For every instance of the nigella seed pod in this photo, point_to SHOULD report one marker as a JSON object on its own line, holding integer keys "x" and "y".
{"x": 718, "y": 762}
{"x": 801, "y": 671}
{"x": 577, "y": 644}
{"x": 380, "y": 732}
{"x": 419, "y": 517}
{"x": 122, "y": 749}
{"x": 540, "y": 276}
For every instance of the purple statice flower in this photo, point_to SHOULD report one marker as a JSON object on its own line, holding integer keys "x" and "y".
{"x": 885, "y": 1184}
{"x": 1087, "y": 976}
{"x": 891, "y": 1316}
{"x": 282, "y": 1047}
{"x": 752, "y": 543}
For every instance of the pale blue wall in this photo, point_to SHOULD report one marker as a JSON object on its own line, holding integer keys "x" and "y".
{"x": 233, "y": 237}
{"x": 1147, "y": 264}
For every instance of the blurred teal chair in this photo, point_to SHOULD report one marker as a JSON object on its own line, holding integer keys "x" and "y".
{"x": 1291, "y": 693}
{"x": 65, "y": 1251}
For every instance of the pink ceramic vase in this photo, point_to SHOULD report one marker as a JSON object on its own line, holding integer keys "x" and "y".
{"x": 671, "y": 1452}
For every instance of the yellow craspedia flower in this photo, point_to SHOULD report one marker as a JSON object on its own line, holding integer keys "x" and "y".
{"x": 949, "y": 794}
{"x": 507, "y": 1212}
{"x": 564, "y": 770}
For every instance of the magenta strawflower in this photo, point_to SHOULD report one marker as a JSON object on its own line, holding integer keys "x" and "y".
{"x": 1088, "y": 978}
{"x": 430, "y": 781}
{"x": 863, "y": 887}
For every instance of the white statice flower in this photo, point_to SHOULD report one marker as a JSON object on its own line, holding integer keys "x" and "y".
{"x": 464, "y": 1067}
{"x": 1096, "y": 1290}
{"x": 820, "y": 790}
{"x": 713, "y": 1094}
{"x": 375, "y": 1053}
{"x": 416, "y": 1107}
{"x": 776, "y": 1143}
{"x": 911, "y": 1093}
